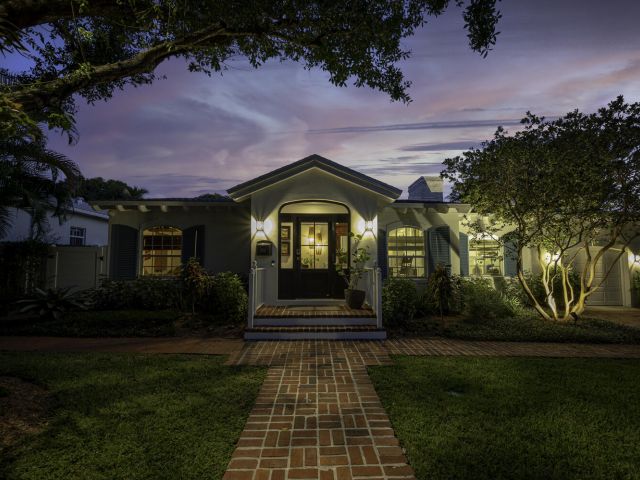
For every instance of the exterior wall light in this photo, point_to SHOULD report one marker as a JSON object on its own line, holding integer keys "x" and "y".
{"x": 260, "y": 226}
{"x": 368, "y": 226}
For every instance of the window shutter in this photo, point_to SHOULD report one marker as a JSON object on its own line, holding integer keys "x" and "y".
{"x": 382, "y": 253}
{"x": 193, "y": 244}
{"x": 464, "y": 254}
{"x": 438, "y": 247}
{"x": 510, "y": 259}
{"x": 124, "y": 252}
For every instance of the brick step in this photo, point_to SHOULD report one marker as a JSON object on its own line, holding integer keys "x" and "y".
{"x": 315, "y": 332}
{"x": 313, "y": 321}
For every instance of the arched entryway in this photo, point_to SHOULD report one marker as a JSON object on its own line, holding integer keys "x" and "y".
{"x": 310, "y": 235}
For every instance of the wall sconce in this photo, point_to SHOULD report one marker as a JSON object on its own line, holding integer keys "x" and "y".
{"x": 368, "y": 226}
{"x": 260, "y": 226}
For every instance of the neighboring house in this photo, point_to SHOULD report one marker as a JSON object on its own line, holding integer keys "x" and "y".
{"x": 82, "y": 225}
{"x": 286, "y": 226}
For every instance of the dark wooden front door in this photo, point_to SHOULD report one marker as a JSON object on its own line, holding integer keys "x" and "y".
{"x": 307, "y": 267}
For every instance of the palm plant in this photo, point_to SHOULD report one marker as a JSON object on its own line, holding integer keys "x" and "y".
{"x": 35, "y": 179}
{"x": 54, "y": 302}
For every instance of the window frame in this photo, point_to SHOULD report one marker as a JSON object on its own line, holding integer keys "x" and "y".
{"x": 418, "y": 253}
{"x": 174, "y": 266}
{"x": 500, "y": 256}
{"x": 74, "y": 237}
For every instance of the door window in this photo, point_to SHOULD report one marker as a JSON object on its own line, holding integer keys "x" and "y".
{"x": 314, "y": 245}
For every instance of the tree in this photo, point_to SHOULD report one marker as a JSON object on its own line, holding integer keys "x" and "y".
{"x": 100, "y": 189}
{"x": 92, "y": 47}
{"x": 566, "y": 188}
{"x": 36, "y": 180}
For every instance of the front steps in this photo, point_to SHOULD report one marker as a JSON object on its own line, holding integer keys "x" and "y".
{"x": 314, "y": 322}
{"x": 315, "y": 332}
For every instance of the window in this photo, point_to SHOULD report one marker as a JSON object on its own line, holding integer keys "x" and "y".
{"x": 314, "y": 245}
{"x": 485, "y": 256}
{"x": 161, "y": 251}
{"x": 405, "y": 247}
{"x": 77, "y": 236}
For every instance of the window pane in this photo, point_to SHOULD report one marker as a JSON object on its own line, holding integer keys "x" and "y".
{"x": 406, "y": 252}
{"x": 161, "y": 251}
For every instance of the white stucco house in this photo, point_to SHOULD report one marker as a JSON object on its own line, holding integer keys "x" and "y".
{"x": 283, "y": 229}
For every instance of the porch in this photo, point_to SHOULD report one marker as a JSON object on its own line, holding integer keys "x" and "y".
{"x": 315, "y": 319}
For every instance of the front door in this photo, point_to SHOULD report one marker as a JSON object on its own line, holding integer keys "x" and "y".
{"x": 309, "y": 269}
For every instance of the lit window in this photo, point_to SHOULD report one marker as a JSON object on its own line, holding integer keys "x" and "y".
{"x": 485, "y": 256}
{"x": 161, "y": 251}
{"x": 77, "y": 236}
{"x": 405, "y": 247}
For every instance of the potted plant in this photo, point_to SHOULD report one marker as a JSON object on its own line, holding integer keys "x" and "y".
{"x": 354, "y": 272}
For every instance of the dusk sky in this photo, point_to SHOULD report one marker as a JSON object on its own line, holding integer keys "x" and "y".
{"x": 191, "y": 134}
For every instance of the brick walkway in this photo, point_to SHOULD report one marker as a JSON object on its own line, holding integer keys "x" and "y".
{"x": 317, "y": 415}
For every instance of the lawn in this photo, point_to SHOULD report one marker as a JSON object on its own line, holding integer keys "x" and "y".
{"x": 522, "y": 328}
{"x": 515, "y": 418}
{"x": 131, "y": 416}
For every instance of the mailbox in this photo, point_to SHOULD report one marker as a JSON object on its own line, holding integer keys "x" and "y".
{"x": 264, "y": 249}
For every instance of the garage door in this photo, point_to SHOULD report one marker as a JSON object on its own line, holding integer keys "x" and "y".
{"x": 610, "y": 293}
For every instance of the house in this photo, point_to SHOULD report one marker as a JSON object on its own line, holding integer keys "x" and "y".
{"x": 283, "y": 229}
{"x": 82, "y": 225}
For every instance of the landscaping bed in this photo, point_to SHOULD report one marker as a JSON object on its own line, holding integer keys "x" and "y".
{"x": 129, "y": 416}
{"x": 121, "y": 323}
{"x": 525, "y": 418}
{"x": 519, "y": 328}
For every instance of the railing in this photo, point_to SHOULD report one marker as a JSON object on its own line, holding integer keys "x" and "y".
{"x": 256, "y": 291}
{"x": 373, "y": 291}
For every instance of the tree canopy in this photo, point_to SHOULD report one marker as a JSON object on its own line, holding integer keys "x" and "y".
{"x": 568, "y": 188}
{"x": 93, "y": 47}
{"x": 100, "y": 189}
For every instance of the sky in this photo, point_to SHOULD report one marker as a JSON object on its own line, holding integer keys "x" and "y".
{"x": 191, "y": 134}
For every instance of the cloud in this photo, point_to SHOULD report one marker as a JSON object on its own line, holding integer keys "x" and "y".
{"x": 452, "y": 125}
{"x": 445, "y": 146}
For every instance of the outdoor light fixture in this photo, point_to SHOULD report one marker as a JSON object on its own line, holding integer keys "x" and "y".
{"x": 368, "y": 226}
{"x": 260, "y": 226}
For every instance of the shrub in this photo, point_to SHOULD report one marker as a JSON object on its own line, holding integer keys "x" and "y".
{"x": 146, "y": 293}
{"x": 440, "y": 295}
{"x": 195, "y": 283}
{"x": 227, "y": 298}
{"x": 480, "y": 300}
{"x": 53, "y": 302}
{"x": 513, "y": 289}
{"x": 399, "y": 300}
{"x": 22, "y": 270}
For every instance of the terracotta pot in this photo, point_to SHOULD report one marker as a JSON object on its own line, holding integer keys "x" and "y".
{"x": 354, "y": 298}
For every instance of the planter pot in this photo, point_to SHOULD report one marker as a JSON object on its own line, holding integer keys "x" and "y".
{"x": 354, "y": 298}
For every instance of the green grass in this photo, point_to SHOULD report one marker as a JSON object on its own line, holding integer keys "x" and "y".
{"x": 522, "y": 328}
{"x": 515, "y": 418}
{"x": 132, "y": 416}
{"x": 97, "y": 323}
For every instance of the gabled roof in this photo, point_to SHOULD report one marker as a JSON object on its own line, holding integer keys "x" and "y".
{"x": 243, "y": 190}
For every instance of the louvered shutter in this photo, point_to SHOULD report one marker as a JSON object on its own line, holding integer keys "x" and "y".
{"x": 124, "y": 252}
{"x": 510, "y": 259}
{"x": 382, "y": 253}
{"x": 464, "y": 254}
{"x": 439, "y": 247}
{"x": 193, "y": 244}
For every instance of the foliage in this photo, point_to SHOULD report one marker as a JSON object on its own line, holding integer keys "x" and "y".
{"x": 195, "y": 282}
{"x": 53, "y": 302}
{"x": 227, "y": 298}
{"x": 352, "y": 269}
{"x": 100, "y": 189}
{"x": 132, "y": 416}
{"x": 512, "y": 288}
{"x": 92, "y": 48}
{"x": 144, "y": 292}
{"x": 22, "y": 269}
{"x": 565, "y": 188}
{"x": 507, "y": 418}
{"x": 480, "y": 300}
{"x": 399, "y": 300}
{"x": 35, "y": 179}
{"x": 98, "y": 323}
{"x": 442, "y": 291}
